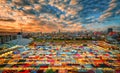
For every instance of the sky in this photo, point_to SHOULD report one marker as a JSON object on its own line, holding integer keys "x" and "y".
{"x": 55, "y": 15}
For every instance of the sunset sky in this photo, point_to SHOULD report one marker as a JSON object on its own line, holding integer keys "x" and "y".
{"x": 52, "y": 15}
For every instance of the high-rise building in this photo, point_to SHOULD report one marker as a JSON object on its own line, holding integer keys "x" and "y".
{"x": 110, "y": 30}
{"x": 7, "y": 36}
{"x": 19, "y": 35}
{"x": 59, "y": 31}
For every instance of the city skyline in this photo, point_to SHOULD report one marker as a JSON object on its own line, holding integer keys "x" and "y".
{"x": 52, "y": 15}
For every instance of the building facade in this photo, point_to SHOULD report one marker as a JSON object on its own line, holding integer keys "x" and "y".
{"x": 7, "y": 36}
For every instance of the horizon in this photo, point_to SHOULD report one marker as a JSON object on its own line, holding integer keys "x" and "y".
{"x": 58, "y": 31}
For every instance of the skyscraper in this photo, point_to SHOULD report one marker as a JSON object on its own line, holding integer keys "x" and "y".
{"x": 19, "y": 35}
{"x": 59, "y": 31}
{"x": 110, "y": 30}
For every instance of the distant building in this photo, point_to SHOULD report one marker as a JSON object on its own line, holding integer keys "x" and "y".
{"x": 110, "y": 30}
{"x": 20, "y": 40}
{"x": 7, "y": 36}
{"x": 59, "y": 31}
{"x": 19, "y": 35}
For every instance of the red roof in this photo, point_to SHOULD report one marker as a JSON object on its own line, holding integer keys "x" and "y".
{"x": 112, "y": 33}
{"x": 97, "y": 33}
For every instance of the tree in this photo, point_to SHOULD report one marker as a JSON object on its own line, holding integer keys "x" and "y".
{"x": 50, "y": 71}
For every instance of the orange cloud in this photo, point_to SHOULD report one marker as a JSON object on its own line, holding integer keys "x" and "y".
{"x": 73, "y": 2}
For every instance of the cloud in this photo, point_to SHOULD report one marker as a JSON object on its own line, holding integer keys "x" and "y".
{"x": 45, "y": 26}
{"x": 112, "y": 5}
{"x": 107, "y": 12}
{"x": 118, "y": 12}
{"x": 62, "y": 17}
{"x": 112, "y": 1}
{"x": 71, "y": 11}
{"x": 104, "y": 16}
{"x": 73, "y": 27}
{"x": 9, "y": 26}
{"x": 43, "y": 2}
{"x": 102, "y": 27}
{"x": 73, "y": 2}
{"x": 37, "y": 7}
{"x": 5, "y": 10}
{"x": 52, "y": 15}
{"x": 59, "y": 6}
{"x": 67, "y": 8}
{"x": 91, "y": 27}
{"x": 3, "y": 1}
{"x": 7, "y": 19}
{"x": 28, "y": 7}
